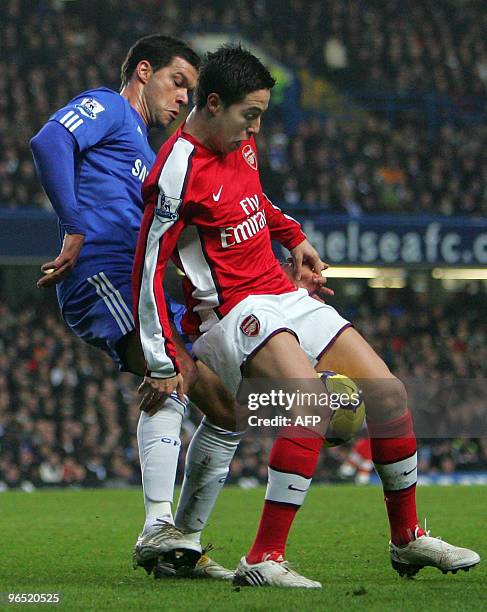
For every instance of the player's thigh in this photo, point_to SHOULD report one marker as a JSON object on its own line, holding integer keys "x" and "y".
{"x": 280, "y": 357}
{"x": 98, "y": 310}
{"x": 288, "y": 369}
{"x": 327, "y": 336}
{"x": 210, "y": 395}
{"x": 351, "y": 355}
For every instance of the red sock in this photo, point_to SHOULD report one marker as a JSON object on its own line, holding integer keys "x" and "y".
{"x": 388, "y": 452}
{"x": 294, "y": 456}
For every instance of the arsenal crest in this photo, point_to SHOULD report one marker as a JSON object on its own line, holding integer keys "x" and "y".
{"x": 249, "y": 156}
{"x": 250, "y": 326}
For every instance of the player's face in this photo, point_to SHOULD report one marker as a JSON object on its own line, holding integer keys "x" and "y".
{"x": 240, "y": 121}
{"x": 167, "y": 91}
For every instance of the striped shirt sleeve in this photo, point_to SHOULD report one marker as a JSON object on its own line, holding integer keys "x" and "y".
{"x": 160, "y": 229}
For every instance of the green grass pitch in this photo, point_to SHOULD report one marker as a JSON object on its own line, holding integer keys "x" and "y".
{"x": 79, "y": 543}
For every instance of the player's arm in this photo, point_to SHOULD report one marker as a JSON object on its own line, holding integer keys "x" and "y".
{"x": 155, "y": 245}
{"x": 156, "y": 242}
{"x": 160, "y": 229}
{"x": 54, "y": 152}
{"x": 288, "y": 232}
{"x": 83, "y": 123}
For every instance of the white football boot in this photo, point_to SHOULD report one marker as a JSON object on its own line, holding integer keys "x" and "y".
{"x": 271, "y": 573}
{"x": 206, "y": 568}
{"x": 426, "y": 551}
{"x": 168, "y": 544}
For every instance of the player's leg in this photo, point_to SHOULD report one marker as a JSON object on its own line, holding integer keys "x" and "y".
{"x": 159, "y": 446}
{"x": 211, "y": 449}
{"x": 292, "y": 463}
{"x": 386, "y": 408}
{"x": 208, "y": 459}
{"x": 210, "y": 395}
{"x": 130, "y": 352}
{"x": 210, "y": 453}
{"x": 393, "y": 445}
{"x": 258, "y": 337}
{"x": 158, "y": 439}
{"x": 295, "y": 452}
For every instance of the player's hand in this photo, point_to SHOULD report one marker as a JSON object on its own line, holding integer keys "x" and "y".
{"x": 305, "y": 253}
{"x": 313, "y": 283}
{"x": 54, "y": 271}
{"x": 155, "y": 392}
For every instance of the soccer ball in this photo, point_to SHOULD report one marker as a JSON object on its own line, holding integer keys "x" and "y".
{"x": 348, "y": 419}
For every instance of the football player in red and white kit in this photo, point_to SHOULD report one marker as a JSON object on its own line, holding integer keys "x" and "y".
{"x": 205, "y": 208}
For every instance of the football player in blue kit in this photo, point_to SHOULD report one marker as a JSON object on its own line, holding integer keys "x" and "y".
{"x": 92, "y": 156}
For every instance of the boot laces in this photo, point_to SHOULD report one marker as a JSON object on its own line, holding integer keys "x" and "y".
{"x": 427, "y": 532}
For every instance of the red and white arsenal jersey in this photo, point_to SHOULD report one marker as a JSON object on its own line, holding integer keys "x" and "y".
{"x": 208, "y": 213}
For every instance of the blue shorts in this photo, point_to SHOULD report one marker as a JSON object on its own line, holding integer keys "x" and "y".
{"x": 99, "y": 311}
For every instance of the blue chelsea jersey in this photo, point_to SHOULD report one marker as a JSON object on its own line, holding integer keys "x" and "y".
{"x": 114, "y": 159}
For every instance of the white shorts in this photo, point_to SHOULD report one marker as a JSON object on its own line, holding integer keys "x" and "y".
{"x": 250, "y": 324}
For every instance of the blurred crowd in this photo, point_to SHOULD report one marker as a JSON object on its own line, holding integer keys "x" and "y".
{"x": 332, "y": 166}
{"x": 68, "y": 417}
{"x": 51, "y": 50}
{"x": 437, "y": 46}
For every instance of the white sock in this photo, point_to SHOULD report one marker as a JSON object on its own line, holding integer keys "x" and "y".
{"x": 207, "y": 464}
{"x": 159, "y": 445}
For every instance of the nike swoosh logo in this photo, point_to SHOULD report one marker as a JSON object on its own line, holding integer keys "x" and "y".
{"x": 407, "y": 473}
{"x": 293, "y": 488}
{"x": 217, "y": 196}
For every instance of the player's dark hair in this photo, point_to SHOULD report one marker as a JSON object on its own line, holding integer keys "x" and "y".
{"x": 159, "y": 51}
{"x": 232, "y": 72}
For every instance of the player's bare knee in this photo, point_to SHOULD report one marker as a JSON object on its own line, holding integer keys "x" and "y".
{"x": 385, "y": 399}
{"x": 221, "y": 413}
{"x": 226, "y": 419}
{"x": 213, "y": 399}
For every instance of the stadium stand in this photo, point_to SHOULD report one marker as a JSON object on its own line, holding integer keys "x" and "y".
{"x": 78, "y": 428}
{"x": 369, "y": 166}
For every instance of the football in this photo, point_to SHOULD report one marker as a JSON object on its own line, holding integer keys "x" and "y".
{"x": 348, "y": 419}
